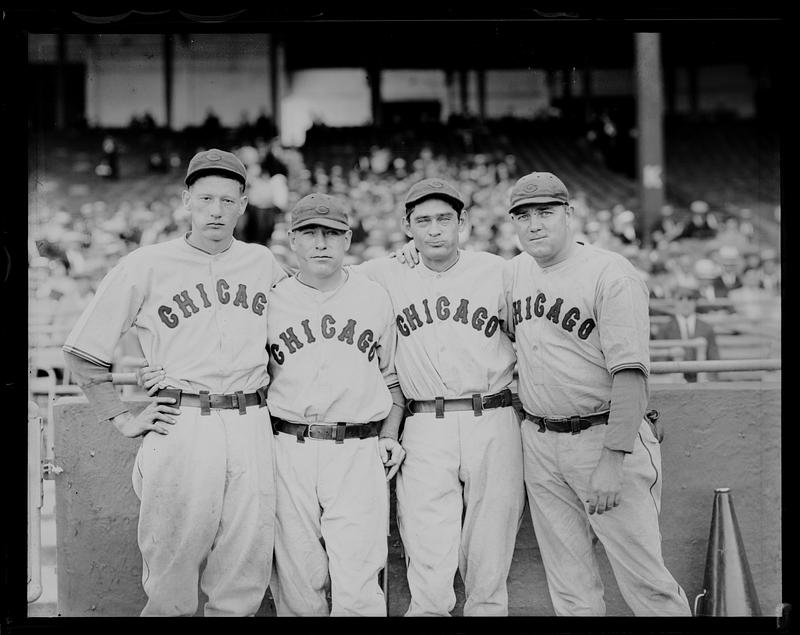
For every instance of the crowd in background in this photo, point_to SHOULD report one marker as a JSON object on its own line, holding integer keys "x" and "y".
{"x": 719, "y": 255}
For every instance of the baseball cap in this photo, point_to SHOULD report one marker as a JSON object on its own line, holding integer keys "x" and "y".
{"x": 538, "y": 187}
{"x": 433, "y": 188}
{"x": 319, "y": 209}
{"x": 215, "y": 161}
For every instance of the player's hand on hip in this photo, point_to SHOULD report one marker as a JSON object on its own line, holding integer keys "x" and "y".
{"x": 151, "y": 378}
{"x": 392, "y": 455}
{"x": 605, "y": 484}
{"x": 407, "y": 254}
{"x": 156, "y": 417}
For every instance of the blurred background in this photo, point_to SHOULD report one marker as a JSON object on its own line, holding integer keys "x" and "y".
{"x": 667, "y": 138}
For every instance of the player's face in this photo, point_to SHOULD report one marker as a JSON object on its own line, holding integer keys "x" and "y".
{"x": 320, "y": 250}
{"x": 543, "y": 230}
{"x": 434, "y": 225}
{"x": 215, "y": 204}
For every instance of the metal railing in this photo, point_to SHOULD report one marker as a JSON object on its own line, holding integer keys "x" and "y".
{"x": 35, "y": 500}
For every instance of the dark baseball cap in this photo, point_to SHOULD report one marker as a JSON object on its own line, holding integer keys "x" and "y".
{"x": 213, "y": 161}
{"x": 433, "y": 188}
{"x": 319, "y": 209}
{"x": 538, "y": 187}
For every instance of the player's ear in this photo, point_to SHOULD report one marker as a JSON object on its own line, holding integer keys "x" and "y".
{"x": 348, "y": 237}
{"x": 292, "y": 245}
{"x": 462, "y": 219}
{"x": 406, "y": 227}
{"x": 185, "y": 196}
{"x": 242, "y": 204}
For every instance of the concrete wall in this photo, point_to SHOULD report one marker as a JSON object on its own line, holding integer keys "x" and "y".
{"x": 717, "y": 435}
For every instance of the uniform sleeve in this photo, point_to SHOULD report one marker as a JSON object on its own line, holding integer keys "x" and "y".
{"x": 111, "y": 312}
{"x": 95, "y": 381}
{"x": 387, "y": 346}
{"x": 624, "y": 324}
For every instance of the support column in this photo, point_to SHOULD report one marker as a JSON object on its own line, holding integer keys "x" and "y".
{"x": 650, "y": 122}
{"x": 277, "y": 79}
{"x": 61, "y": 82}
{"x": 169, "y": 73}
{"x": 463, "y": 92}
{"x": 481, "y": 76}
{"x": 375, "y": 100}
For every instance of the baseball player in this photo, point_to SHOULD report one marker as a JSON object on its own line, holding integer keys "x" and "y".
{"x": 204, "y": 472}
{"x": 592, "y": 461}
{"x": 460, "y": 494}
{"x": 331, "y": 340}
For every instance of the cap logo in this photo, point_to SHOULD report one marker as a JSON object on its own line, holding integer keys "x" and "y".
{"x": 323, "y": 210}
{"x": 213, "y": 156}
{"x": 436, "y": 184}
{"x": 531, "y": 187}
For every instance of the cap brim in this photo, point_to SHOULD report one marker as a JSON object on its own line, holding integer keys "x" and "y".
{"x": 324, "y": 222}
{"x": 459, "y": 204}
{"x": 536, "y": 199}
{"x": 191, "y": 178}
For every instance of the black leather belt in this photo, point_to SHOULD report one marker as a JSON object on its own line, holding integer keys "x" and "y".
{"x": 329, "y": 431}
{"x": 206, "y": 401}
{"x": 568, "y": 424}
{"x": 477, "y": 403}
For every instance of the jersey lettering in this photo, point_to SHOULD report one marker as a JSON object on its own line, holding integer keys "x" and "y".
{"x": 241, "y": 297}
{"x": 165, "y": 313}
{"x": 191, "y": 303}
{"x": 291, "y": 343}
{"x": 201, "y": 289}
{"x": 185, "y": 303}
{"x": 408, "y": 319}
{"x": 568, "y": 323}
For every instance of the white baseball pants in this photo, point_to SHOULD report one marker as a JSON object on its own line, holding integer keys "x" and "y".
{"x": 331, "y": 526}
{"x": 207, "y": 492}
{"x": 558, "y": 467}
{"x": 460, "y": 499}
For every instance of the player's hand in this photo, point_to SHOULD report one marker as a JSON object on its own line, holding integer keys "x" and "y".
{"x": 407, "y": 254}
{"x": 151, "y": 378}
{"x": 605, "y": 485}
{"x": 152, "y": 419}
{"x": 392, "y": 455}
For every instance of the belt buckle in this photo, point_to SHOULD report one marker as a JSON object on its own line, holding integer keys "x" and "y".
{"x": 340, "y": 430}
{"x": 477, "y": 404}
{"x": 575, "y": 424}
{"x": 171, "y": 393}
{"x": 439, "y": 406}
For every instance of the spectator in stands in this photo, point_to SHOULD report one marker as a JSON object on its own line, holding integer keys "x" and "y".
{"x": 731, "y": 263}
{"x": 686, "y": 325}
{"x": 667, "y": 227}
{"x": 109, "y": 164}
{"x": 753, "y": 302}
{"x": 622, "y": 225}
{"x": 702, "y": 222}
{"x": 770, "y": 271}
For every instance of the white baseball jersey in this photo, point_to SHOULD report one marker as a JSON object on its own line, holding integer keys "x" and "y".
{"x": 576, "y": 323}
{"x": 200, "y": 316}
{"x": 460, "y": 490}
{"x": 322, "y": 344}
{"x": 207, "y": 488}
{"x": 449, "y": 325}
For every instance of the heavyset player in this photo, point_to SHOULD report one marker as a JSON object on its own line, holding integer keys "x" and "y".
{"x": 279, "y": 402}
